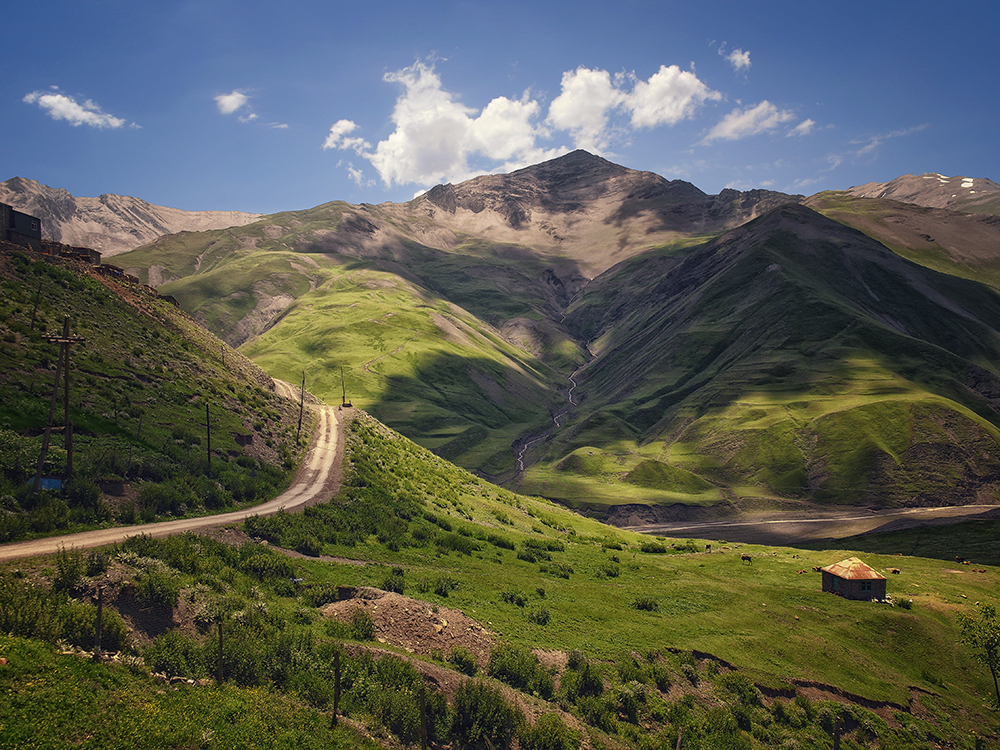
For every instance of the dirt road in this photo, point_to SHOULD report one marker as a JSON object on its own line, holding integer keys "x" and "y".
{"x": 317, "y": 480}
{"x": 791, "y": 527}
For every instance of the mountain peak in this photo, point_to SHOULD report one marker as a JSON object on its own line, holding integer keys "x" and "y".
{"x": 934, "y": 190}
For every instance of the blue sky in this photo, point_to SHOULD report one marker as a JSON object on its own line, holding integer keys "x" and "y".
{"x": 266, "y": 107}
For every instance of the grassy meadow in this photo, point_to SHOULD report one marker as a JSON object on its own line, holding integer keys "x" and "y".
{"x": 659, "y": 636}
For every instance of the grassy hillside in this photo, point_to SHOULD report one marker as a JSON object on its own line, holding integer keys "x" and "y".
{"x": 792, "y": 357}
{"x": 642, "y": 638}
{"x": 142, "y": 377}
{"x": 959, "y": 245}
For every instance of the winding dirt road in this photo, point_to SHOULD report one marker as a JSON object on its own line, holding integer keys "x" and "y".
{"x": 316, "y": 481}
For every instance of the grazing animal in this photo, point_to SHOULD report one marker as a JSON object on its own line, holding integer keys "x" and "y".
{"x": 817, "y": 569}
{"x": 894, "y": 571}
{"x": 959, "y": 559}
{"x": 708, "y": 547}
{"x": 746, "y": 558}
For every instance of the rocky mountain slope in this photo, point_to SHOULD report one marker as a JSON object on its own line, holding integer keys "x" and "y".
{"x": 112, "y": 224}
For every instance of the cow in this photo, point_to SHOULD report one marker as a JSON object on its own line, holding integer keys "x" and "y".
{"x": 747, "y": 559}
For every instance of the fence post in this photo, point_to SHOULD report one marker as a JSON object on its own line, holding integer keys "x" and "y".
{"x": 97, "y": 627}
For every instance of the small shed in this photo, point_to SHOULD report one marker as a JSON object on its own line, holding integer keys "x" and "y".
{"x": 852, "y": 579}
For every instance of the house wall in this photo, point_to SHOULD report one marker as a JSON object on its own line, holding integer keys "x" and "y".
{"x": 20, "y": 228}
{"x": 861, "y": 590}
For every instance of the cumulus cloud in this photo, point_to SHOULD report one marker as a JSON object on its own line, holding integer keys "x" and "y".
{"x": 739, "y": 59}
{"x": 748, "y": 121}
{"x": 669, "y": 96}
{"x": 59, "y": 106}
{"x": 435, "y": 136}
{"x": 438, "y": 138}
{"x": 231, "y": 102}
{"x": 583, "y": 107}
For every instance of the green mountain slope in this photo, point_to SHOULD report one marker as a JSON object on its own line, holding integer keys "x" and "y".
{"x": 144, "y": 379}
{"x": 793, "y": 356}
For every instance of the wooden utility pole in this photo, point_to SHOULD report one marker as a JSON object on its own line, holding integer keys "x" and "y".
{"x": 343, "y": 385}
{"x": 64, "y": 342}
{"x": 97, "y": 627}
{"x": 208, "y": 430}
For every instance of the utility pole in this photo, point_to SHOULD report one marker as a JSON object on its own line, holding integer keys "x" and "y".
{"x": 208, "y": 430}
{"x": 343, "y": 385}
{"x": 64, "y": 342}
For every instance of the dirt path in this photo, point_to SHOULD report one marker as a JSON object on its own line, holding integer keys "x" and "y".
{"x": 790, "y": 527}
{"x": 317, "y": 480}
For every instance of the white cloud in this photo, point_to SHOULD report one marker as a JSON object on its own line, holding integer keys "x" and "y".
{"x": 438, "y": 138}
{"x": 62, "y": 107}
{"x": 669, "y": 96}
{"x": 229, "y": 103}
{"x": 803, "y": 128}
{"x": 337, "y": 138}
{"x": 742, "y": 123}
{"x": 583, "y": 107}
{"x": 739, "y": 59}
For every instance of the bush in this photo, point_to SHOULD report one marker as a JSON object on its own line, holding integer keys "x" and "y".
{"x": 463, "y": 660}
{"x": 362, "y": 625}
{"x": 520, "y": 669}
{"x": 394, "y": 581}
{"x": 157, "y": 587}
{"x": 654, "y": 548}
{"x": 174, "y": 654}
{"x": 646, "y": 604}
{"x": 483, "y": 719}
{"x": 549, "y": 733}
{"x": 540, "y": 616}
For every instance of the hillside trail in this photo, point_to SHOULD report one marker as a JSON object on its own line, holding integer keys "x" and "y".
{"x": 317, "y": 480}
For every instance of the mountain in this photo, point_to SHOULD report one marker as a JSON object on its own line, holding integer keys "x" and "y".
{"x": 793, "y": 353}
{"x": 974, "y": 195}
{"x": 606, "y": 337}
{"x": 112, "y": 224}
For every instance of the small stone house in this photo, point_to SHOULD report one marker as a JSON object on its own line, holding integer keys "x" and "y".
{"x": 852, "y": 579}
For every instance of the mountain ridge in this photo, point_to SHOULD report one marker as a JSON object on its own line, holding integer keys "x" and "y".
{"x": 112, "y": 224}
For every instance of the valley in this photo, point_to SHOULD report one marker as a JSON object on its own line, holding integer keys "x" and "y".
{"x": 606, "y": 432}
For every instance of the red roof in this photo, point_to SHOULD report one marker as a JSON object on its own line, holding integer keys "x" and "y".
{"x": 852, "y": 569}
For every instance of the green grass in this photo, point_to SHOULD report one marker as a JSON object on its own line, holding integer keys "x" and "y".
{"x": 423, "y": 523}
{"x": 142, "y": 377}
{"x": 54, "y": 701}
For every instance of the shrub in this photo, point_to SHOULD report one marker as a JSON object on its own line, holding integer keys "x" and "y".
{"x": 520, "y": 669}
{"x": 174, "y": 654}
{"x": 394, "y": 581}
{"x": 69, "y": 569}
{"x": 549, "y": 733}
{"x": 463, "y": 660}
{"x": 362, "y": 625}
{"x": 483, "y": 719}
{"x": 654, "y": 548}
{"x": 157, "y": 586}
{"x": 540, "y": 616}
{"x": 646, "y": 604}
